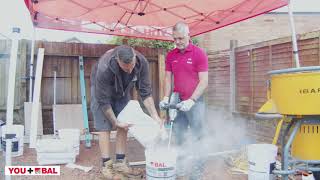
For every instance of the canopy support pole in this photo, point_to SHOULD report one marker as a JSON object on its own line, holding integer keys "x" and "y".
{"x": 294, "y": 37}
{"x": 10, "y": 96}
{"x": 31, "y": 64}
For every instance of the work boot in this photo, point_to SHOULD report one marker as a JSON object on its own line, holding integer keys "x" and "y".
{"x": 122, "y": 166}
{"x": 109, "y": 173}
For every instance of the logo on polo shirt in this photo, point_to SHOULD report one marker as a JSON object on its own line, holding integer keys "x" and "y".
{"x": 189, "y": 61}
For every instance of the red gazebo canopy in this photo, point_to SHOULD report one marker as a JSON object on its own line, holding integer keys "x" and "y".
{"x": 150, "y": 19}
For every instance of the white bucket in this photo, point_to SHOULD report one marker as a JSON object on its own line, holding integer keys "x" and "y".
{"x": 17, "y": 142}
{"x": 55, "y": 151}
{"x": 144, "y": 129}
{"x": 308, "y": 176}
{"x": 71, "y": 136}
{"x": 55, "y": 158}
{"x": 261, "y": 159}
{"x": 161, "y": 164}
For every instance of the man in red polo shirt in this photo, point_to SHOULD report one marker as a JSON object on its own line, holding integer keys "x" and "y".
{"x": 188, "y": 64}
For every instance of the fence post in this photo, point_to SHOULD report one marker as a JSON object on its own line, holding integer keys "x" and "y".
{"x": 161, "y": 70}
{"x": 270, "y": 57}
{"x": 233, "y": 89}
{"x": 319, "y": 46}
{"x": 251, "y": 69}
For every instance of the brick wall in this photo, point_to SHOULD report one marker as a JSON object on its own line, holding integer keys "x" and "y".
{"x": 258, "y": 29}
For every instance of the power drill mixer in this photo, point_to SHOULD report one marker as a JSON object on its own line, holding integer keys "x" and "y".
{"x": 172, "y": 111}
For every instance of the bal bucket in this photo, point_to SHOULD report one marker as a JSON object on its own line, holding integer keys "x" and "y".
{"x": 161, "y": 164}
{"x": 17, "y": 142}
{"x": 261, "y": 159}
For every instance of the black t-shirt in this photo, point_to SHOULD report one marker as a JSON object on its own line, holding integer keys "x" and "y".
{"x": 126, "y": 78}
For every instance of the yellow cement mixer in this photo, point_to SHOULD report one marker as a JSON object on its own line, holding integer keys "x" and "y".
{"x": 294, "y": 96}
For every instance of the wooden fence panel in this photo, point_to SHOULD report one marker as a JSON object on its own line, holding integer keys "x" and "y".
{"x": 253, "y": 62}
{"x": 63, "y": 57}
{"x": 4, "y": 67}
{"x": 219, "y": 79}
{"x": 281, "y": 56}
{"x": 20, "y": 82}
{"x": 309, "y": 52}
{"x": 243, "y": 83}
{"x": 261, "y": 65}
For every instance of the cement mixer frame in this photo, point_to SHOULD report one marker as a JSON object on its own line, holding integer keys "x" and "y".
{"x": 288, "y": 101}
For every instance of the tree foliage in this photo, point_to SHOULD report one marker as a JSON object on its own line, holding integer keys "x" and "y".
{"x": 167, "y": 45}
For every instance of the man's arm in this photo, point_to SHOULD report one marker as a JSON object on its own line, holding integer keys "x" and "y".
{"x": 112, "y": 118}
{"x": 167, "y": 83}
{"x": 186, "y": 105}
{"x": 108, "y": 112}
{"x": 202, "y": 85}
{"x": 149, "y": 104}
{"x": 144, "y": 88}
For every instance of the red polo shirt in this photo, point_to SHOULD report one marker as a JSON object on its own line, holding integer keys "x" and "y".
{"x": 185, "y": 67}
